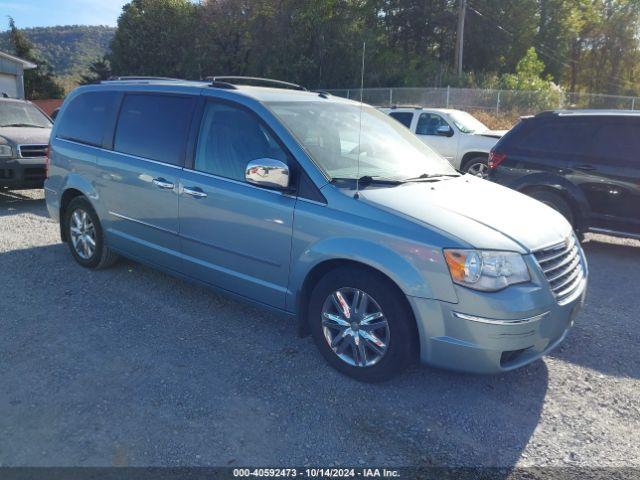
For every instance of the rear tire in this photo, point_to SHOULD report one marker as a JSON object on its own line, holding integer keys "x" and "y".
{"x": 85, "y": 236}
{"x": 378, "y": 339}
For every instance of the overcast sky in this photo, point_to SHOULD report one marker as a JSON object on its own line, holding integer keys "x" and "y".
{"x": 42, "y": 13}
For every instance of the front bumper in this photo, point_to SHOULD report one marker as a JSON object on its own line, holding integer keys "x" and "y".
{"x": 22, "y": 173}
{"x": 492, "y": 344}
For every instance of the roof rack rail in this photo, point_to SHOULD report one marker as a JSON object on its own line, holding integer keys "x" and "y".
{"x": 547, "y": 113}
{"x": 230, "y": 80}
{"x": 218, "y": 84}
{"x": 140, "y": 79}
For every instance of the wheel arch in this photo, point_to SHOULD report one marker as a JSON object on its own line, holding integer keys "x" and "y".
{"x": 565, "y": 189}
{"x": 321, "y": 269}
{"x": 75, "y": 186}
{"x": 468, "y": 156}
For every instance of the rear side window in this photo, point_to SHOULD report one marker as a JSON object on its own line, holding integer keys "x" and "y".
{"x": 563, "y": 136}
{"x": 618, "y": 142}
{"x": 403, "y": 117}
{"x": 87, "y": 118}
{"x": 154, "y": 127}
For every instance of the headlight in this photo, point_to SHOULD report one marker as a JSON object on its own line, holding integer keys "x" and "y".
{"x": 6, "y": 151}
{"x": 486, "y": 270}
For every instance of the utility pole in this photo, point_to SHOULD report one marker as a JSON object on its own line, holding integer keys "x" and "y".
{"x": 462, "y": 10}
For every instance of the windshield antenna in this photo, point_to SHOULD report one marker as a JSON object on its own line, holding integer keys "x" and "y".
{"x": 357, "y": 194}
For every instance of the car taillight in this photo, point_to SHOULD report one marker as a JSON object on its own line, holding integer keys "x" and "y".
{"x": 46, "y": 161}
{"x": 495, "y": 159}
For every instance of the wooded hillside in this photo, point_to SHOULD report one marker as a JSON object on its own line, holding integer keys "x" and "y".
{"x": 68, "y": 49}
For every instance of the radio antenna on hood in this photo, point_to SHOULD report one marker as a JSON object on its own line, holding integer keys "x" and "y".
{"x": 357, "y": 194}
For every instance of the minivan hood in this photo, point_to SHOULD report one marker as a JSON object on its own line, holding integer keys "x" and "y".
{"x": 481, "y": 213}
{"x": 25, "y": 135}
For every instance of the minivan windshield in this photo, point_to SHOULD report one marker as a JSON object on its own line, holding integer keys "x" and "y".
{"x": 467, "y": 123}
{"x": 19, "y": 114}
{"x": 331, "y": 134}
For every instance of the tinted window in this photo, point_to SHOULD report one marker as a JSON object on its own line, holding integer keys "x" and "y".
{"x": 88, "y": 117}
{"x": 564, "y": 136}
{"x": 403, "y": 117}
{"x": 618, "y": 142}
{"x": 230, "y": 137}
{"x": 154, "y": 127}
{"x": 428, "y": 124}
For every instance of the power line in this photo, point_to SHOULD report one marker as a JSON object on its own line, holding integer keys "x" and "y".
{"x": 544, "y": 51}
{"x": 513, "y": 35}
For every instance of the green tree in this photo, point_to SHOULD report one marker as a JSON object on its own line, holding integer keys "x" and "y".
{"x": 608, "y": 47}
{"x": 156, "y": 37}
{"x": 98, "y": 71}
{"x": 316, "y": 43}
{"x": 39, "y": 82}
{"x": 529, "y": 74}
{"x": 560, "y": 22}
{"x": 413, "y": 40}
{"x": 533, "y": 90}
{"x": 584, "y": 44}
{"x": 498, "y": 34}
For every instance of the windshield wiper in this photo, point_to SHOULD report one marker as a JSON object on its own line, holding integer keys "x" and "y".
{"x": 430, "y": 176}
{"x": 22, "y": 125}
{"x": 370, "y": 179}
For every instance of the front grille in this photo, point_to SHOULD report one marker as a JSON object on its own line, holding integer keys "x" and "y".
{"x": 563, "y": 267}
{"x": 32, "y": 151}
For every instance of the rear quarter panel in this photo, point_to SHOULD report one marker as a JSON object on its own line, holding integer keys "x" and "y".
{"x": 72, "y": 166}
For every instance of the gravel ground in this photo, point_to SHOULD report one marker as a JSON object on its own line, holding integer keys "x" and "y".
{"x": 132, "y": 367}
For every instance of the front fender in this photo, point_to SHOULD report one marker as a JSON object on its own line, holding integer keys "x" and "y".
{"x": 476, "y": 144}
{"x": 418, "y": 270}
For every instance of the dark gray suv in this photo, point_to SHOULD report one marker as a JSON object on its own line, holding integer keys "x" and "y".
{"x": 24, "y": 136}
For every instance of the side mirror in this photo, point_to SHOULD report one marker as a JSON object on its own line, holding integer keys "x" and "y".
{"x": 444, "y": 131}
{"x": 268, "y": 173}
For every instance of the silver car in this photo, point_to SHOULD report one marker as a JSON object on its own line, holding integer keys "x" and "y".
{"x": 318, "y": 208}
{"x": 24, "y": 135}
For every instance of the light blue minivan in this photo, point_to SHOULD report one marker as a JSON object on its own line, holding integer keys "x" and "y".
{"x": 320, "y": 208}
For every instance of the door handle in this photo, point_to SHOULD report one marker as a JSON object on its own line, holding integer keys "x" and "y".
{"x": 163, "y": 184}
{"x": 194, "y": 192}
{"x": 585, "y": 168}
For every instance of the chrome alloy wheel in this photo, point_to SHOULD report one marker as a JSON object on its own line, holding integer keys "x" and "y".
{"x": 83, "y": 234}
{"x": 479, "y": 169}
{"x": 355, "y": 327}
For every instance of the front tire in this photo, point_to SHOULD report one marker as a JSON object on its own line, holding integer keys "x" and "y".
{"x": 478, "y": 167}
{"x": 85, "y": 236}
{"x": 362, "y": 325}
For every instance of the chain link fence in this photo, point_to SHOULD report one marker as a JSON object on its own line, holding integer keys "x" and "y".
{"x": 492, "y": 101}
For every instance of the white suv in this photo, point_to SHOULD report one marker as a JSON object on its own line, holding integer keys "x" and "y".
{"x": 456, "y": 135}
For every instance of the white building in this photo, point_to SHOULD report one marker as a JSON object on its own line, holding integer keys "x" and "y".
{"x": 12, "y": 75}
